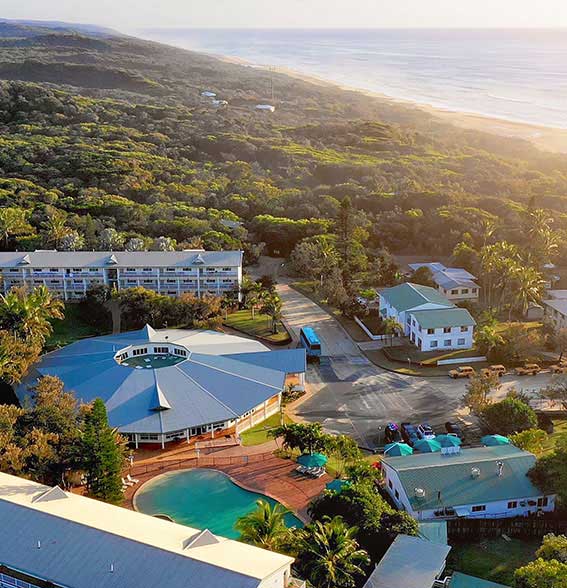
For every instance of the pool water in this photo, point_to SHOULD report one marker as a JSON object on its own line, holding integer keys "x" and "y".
{"x": 202, "y": 498}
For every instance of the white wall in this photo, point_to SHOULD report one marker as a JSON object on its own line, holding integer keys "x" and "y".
{"x": 460, "y": 293}
{"x": 454, "y": 339}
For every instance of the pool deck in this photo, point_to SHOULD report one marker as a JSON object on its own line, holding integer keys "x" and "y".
{"x": 253, "y": 468}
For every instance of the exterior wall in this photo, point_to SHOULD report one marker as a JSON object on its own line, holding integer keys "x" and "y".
{"x": 455, "y": 338}
{"x": 460, "y": 293}
{"x": 279, "y": 579}
{"x": 259, "y": 414}
{"x": 498, "y": 509}
{"x": 12, "y": 579}
{"x": 73, "y": 283}
{"x": 557, "y": 318}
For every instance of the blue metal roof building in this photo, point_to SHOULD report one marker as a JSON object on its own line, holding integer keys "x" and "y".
{"x": 164, "y": 385}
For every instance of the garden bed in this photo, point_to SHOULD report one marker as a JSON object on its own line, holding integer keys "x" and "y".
{"x": 428, "y": 358}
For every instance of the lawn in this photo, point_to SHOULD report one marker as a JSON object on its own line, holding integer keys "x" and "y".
{"x": 430, "y": 358}
{"x": 493, "y": 559}
{"x": 310, "y": 290}
{"x": 259, "y": 433}
{"x": 70, "y": 329}
{"x": 260, "y": 326}
{"x": 560, "y": 428}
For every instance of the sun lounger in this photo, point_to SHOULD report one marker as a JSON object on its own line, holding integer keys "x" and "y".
{"x": 125, "y": 483}
{"x": 301, "y": 469}
{"x": 131, "y": 479}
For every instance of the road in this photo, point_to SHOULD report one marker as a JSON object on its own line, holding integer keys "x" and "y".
{"x": 355, "y": 397}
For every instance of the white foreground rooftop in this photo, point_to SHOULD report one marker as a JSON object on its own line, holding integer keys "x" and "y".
{"x": 75, "y": 541}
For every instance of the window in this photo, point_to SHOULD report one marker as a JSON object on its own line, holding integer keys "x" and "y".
{"x": 447, "y": 343}
{"x": 77, "y": 269}
{"x": 418, "y": 342}
{"x": 226, "y": 269}
{"x": 513, "y": 504}
{"x": 390, "y": 484}
{"x": 93, "y": 269}
{"x": 130, "y": 269}
{"x": 464, "y": 329}
{"x": 397, "y": 494}
{"x": 431, "y": 331}
{"x": 433, "y": 344}
{"x": 14, "y": 269}
{"x": 460, "y": 341}
{"x": 474, "y": 290}
{"x": 478, "y": 508}
{"x": 446, "y": 329}
{"x": 169, "y": 269}
{"x": 465, "y": 291}
{"x": 542, "y": 501}
{"x": 161, "y": 349}
{"x": 187, "y": 269}
{"x": 147, "y": 269}
{"x": 454, "y": 291}
{"x": 140, "y": 351}
{"x": 53, "y": 269}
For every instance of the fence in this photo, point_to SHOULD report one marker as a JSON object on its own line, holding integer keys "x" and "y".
{"x": 369, "y": 332}
{"x": 475, "y": 529}
{"x": 206, "y": 461}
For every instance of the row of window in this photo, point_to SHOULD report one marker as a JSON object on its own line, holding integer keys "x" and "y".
{"x": 140, "y": 351}
{"x": 446, "y": 342}
{"x": 9, "y": 582}
{"x": 463, "y": 291}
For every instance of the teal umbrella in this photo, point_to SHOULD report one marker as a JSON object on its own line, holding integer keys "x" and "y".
{"x": 427, "y": 446}
{"x": 397, "y": 449}
{"x": 492, "y": 440}
{"x": 448, "y": 440}
{"x": 337, "y": 485}
{"x": 312, "y": 460}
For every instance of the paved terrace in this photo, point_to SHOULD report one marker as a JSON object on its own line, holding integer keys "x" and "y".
{"x": 254, "y": 468}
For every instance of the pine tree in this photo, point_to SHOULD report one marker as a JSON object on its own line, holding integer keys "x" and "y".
{"x": 103, "y": 456}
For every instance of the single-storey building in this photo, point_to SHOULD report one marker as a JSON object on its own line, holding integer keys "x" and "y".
{"x": 455, "y": 283}
{"x": 479, "y": 482}
{"x": 430, "y": 321}
{"x": 53, "y": 538}
{"x": 172, "y": 384}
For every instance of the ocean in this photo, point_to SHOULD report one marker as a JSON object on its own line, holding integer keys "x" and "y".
{"x": 517, "y": 75}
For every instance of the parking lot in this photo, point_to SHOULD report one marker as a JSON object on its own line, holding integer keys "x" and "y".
{"x": 353, "y": 396}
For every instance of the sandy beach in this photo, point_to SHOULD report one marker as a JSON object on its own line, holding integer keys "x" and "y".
{"x": 545, "y": 138}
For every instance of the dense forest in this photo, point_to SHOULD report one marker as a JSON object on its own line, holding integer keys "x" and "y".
{"x": 107, "y": 142}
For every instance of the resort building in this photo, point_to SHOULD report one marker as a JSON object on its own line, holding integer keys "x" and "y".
{"x": 430, "y": 321}
{"x": 479, "y": 482}
{"x": 70, "y": 274}
{"x": 51, "y": 538}
{"x": 455, "y": 283}
{"x": 172, "y": 384}
{"x": 555, "y": 308}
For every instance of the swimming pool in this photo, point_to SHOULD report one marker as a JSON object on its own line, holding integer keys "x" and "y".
{"x": 202, "y": 498}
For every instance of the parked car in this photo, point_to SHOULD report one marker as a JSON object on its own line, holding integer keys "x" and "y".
{"x": 425, "y": 431}
{"x": 409, "y": 433}
{"x": 530, "y": 369}
{"x": 497, "y": 370}
{"x": 453, "y": 428}
{"x": 463, "y": 371}
{"x": 559, "y": 368}
{"x": 392, "y": 433}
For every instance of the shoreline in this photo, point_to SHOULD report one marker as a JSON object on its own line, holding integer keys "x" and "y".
{"x": 549, "y": 139}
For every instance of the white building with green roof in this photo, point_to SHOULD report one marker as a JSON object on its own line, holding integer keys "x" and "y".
{"x": 429, "y": 319}
{"x": 476, "y": 482}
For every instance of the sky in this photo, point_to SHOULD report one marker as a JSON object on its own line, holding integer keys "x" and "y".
{"x": 131, "y": 15}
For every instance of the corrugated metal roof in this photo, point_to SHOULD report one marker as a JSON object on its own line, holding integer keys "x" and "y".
{"x": 406, "y": 296}
{"x": 80, "y": 538}
{"x": 70, "y": 259}
{"x": 212, "y": 385}
{"x": 410, "y": 562}
{"x": 447, "y": 281}
{"x": 447, "y": 317}
{"x": 451, "y": 475}
{"x": 459, "y": 580}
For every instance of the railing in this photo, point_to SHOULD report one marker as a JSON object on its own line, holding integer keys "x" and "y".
{"x": 206, "y": 461}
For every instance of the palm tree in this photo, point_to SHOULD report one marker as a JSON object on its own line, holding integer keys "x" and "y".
{"x": 56, "y": 228}
{"x": 392, "y": 327}
{"x": 272, "y": 307}
{"x": 487, "y": 339}
{"x": 329, "y": 556}
{"x": 29, "y": 315}
{"x": 264, "y": 527}
{"x": 529, "y": 287}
